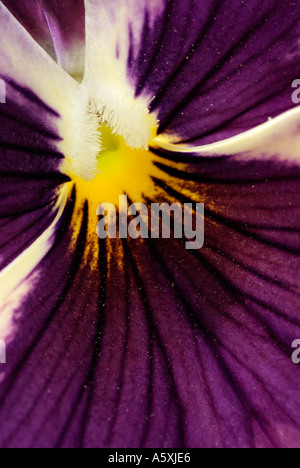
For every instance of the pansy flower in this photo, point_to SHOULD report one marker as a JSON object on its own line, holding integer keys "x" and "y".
{"x": 123, "y": 342}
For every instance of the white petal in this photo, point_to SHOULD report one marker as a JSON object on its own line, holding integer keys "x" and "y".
{"x": 114, "y": 31}
{"x": 24, "y": 62}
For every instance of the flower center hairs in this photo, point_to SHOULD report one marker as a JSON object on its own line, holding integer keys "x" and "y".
{"x": 120, "y": 169}
{"x": 123, "y": 198}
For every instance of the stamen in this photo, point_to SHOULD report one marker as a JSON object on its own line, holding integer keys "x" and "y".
{"x": 125, "y": 115}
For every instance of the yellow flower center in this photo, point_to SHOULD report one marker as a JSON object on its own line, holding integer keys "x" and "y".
{"x": 121, "y": 170}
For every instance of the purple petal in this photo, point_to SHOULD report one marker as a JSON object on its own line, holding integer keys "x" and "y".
{"x": 29, "y": 166}
{"x": 46, "y": 111}
{"x": 224, "y": 71}
{"x": 30, "y": 139}
{"x": 59, "y": 27}
{"x": 213, "y": 69}
{"x": 151, "y": 345}
{"x": 191, "y": 349}
{"x": 40, "y": 102}
{"x": 217, "y": 325}
{"x": 31, "y": 15}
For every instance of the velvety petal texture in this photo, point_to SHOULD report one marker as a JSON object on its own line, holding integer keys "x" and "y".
{"x": 161, "y": 347}
{"x": 37, "y": 137}
{"x": 124, "y": 343}
{"x": 212, "y": 69}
